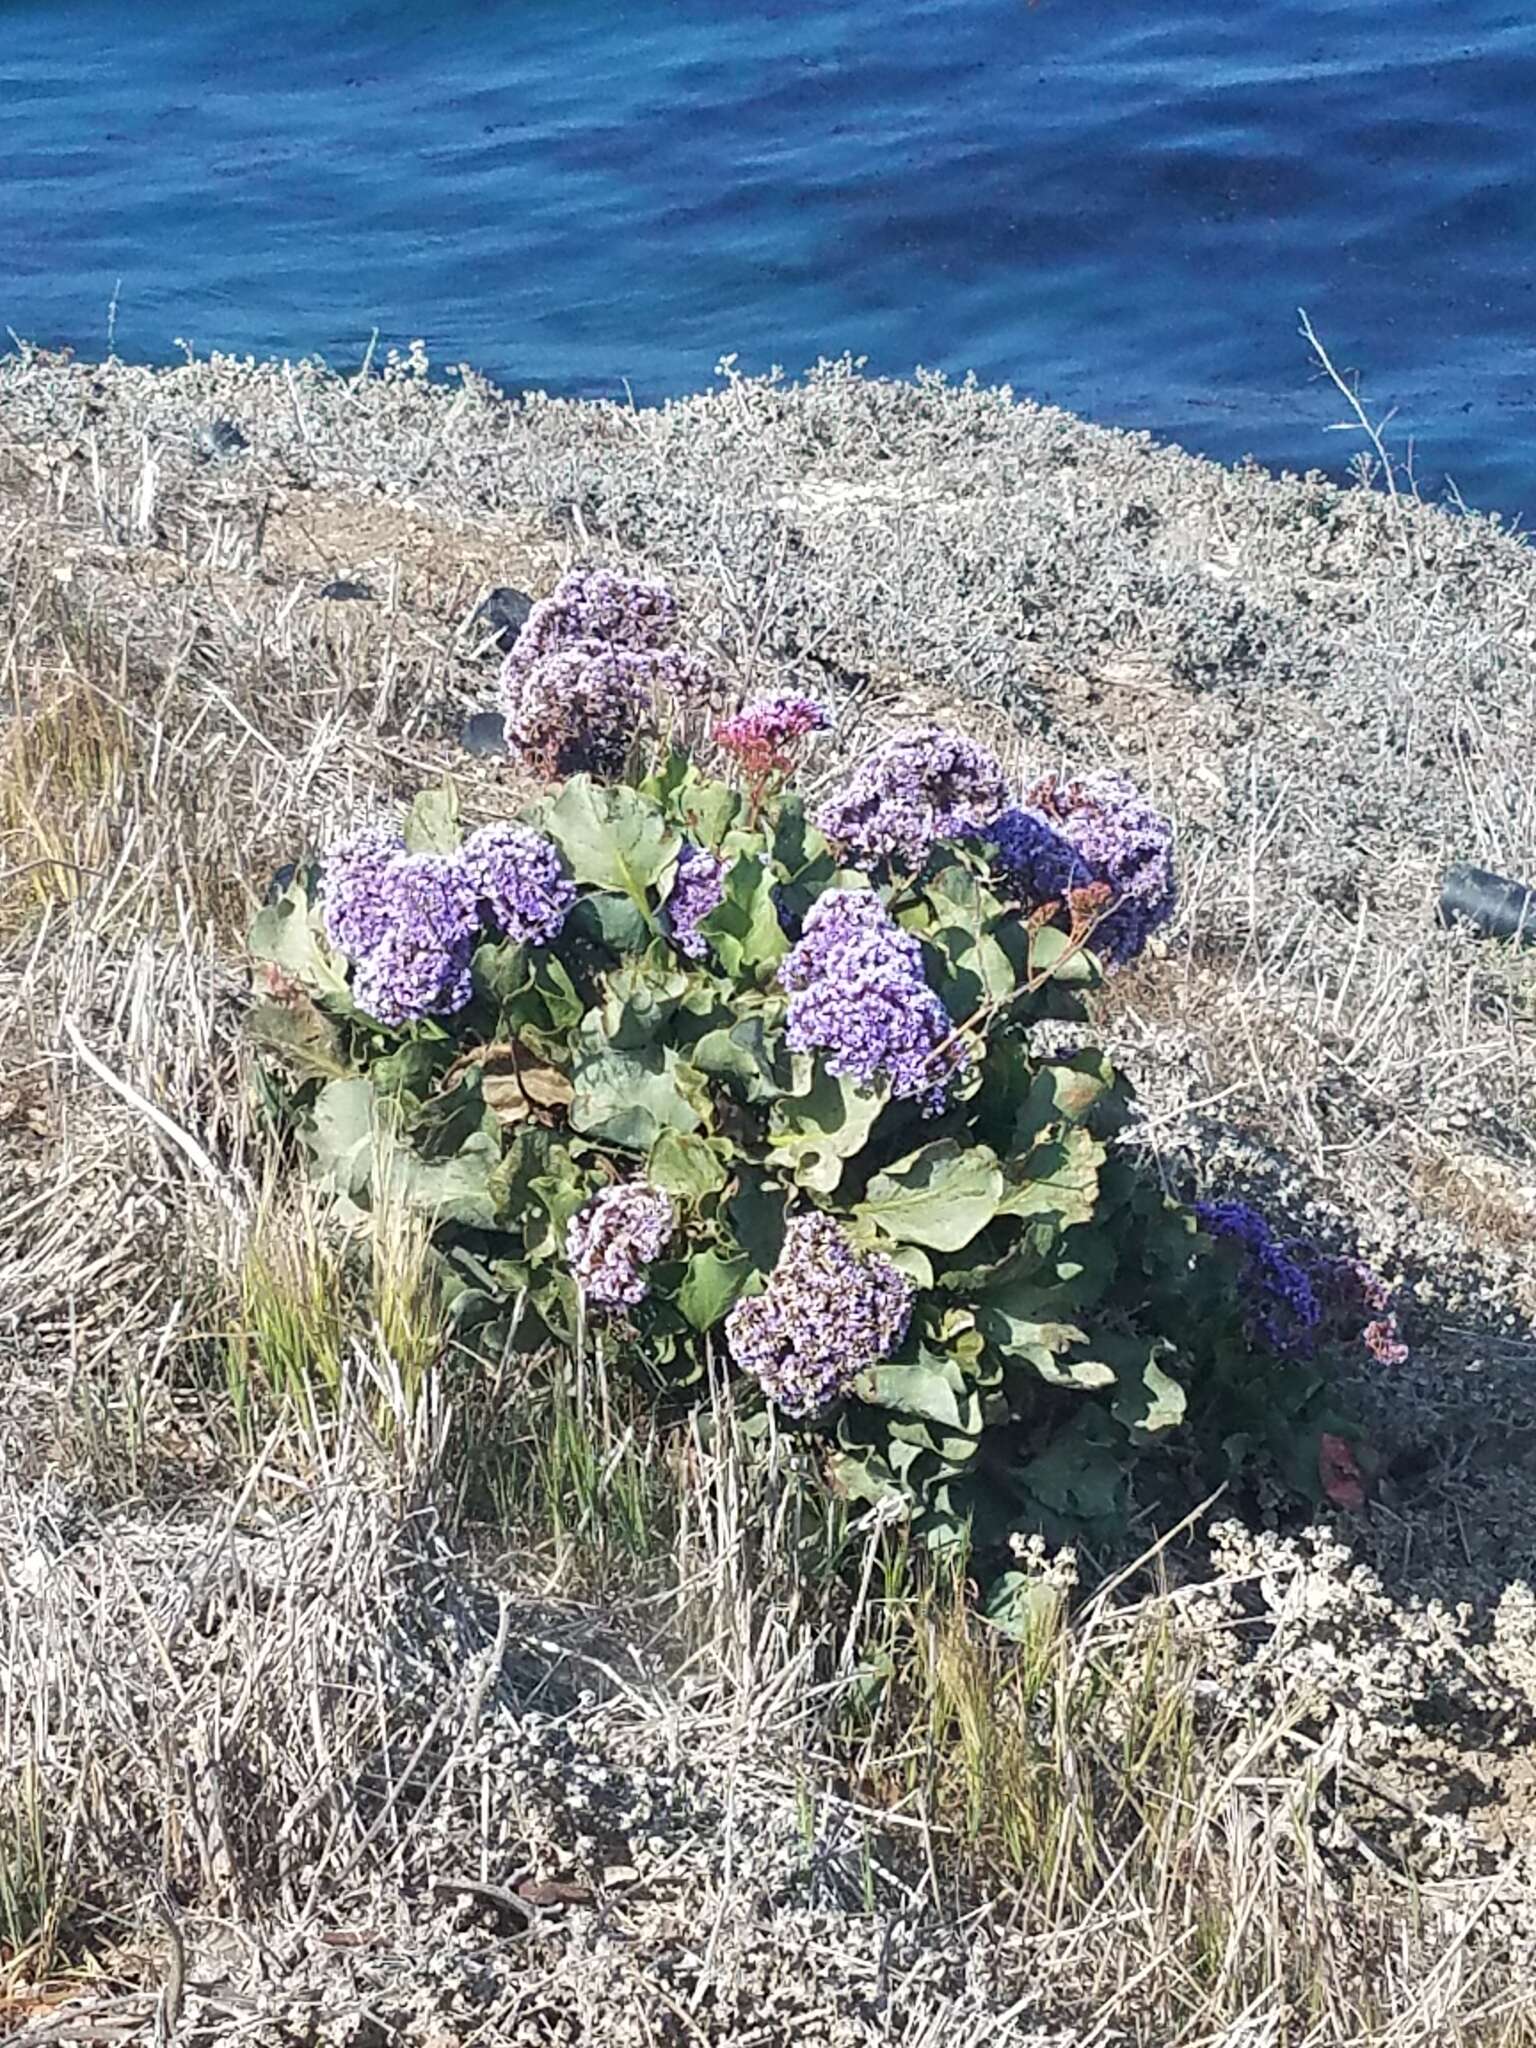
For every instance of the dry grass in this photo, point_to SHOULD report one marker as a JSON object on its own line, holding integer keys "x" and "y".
{"x": 351, "y": 1683}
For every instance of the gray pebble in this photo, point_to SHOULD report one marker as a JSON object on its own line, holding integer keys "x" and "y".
{"x": 503, "y": 612}
{"x": 485, "y": 734}
{"x": 341, "y": 589}
{"x": 220, "y": 438}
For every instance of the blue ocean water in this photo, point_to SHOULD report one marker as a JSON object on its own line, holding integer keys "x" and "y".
{"x": 1111, "y": 205}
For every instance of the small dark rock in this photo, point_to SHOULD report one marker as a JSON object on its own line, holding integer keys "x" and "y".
{"x": 219, "y": 438}
{"x": 503, "y": 613}
{"x": 1493, "y": 905}
{"x": 485, "y": 733}
{"x": 341, "y": 589}
{"x": 281, "y": 882}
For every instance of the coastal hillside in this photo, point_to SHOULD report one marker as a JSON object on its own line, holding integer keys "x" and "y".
{"x": 317, "y": 1724}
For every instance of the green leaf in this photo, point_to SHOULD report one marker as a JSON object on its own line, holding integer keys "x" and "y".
{"x": 960, "y": 899}
{"x": 858, "y": 1476}
{"x": 559, "y": 1192}
{"x": 299, "y": 1034}
{"x": 1078, "y": 1475}
{"x": 1052, "y": 955}
{"x": 1065, "y": 1091}
{"x": 908, "y": 1259}
{"x": 756, "y": 1213}
{"x": 939, "y": 1197}
{"x": 930, "y": 1385}
{"x": 1059, "y": 1179}
{"x": 446, "y": 1121}
{"x": 743, "y": 1052}
{"x": 639, "y": 1000}
{"x": 707, "y": 807}
{"x": 615, "y": 922}
{"x": 341, "y": 1135}
{"x": 1041, "y": 1345}
{"x": 743, "y": 928}
{"x": 932, "y": 1407}
{"x": 980, "y": 971}
{"x": 526, "y": 1155}
{"x": 432, "y": 822}
{"x": 816, "y": 1133}
{"x": 612, "y": 837}
{"x": 669, "y": 775}
{"x": 711, "y": 808}
{"x": 628, "y": 1098}
{"x": 963, "y": 913}
{"x": 686, "y": 1166}
{"x": 455, "y": 1189}
{"x": 411, "y": 1070}
{"x": 1023, "y": 1607}
{"x": 1149, "y": 1399}
{"x": 711, "y": 1285}
{"x": 502, "y": 970}
{"x": 795, "y": 840}
{"x": 287, "y": 934}
{"x": 563, "y": 1006}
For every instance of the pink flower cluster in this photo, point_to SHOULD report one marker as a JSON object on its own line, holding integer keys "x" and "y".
{"x": 762, "y": 735}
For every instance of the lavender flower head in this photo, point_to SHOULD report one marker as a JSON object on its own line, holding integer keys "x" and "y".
{"x": 828, "y": 1314}
{"x": 857, "y": 994}
{"x": 1125, "y": 843}
{"x": 595, "y": 604}
{"x": 351, "y": 899}
{"x": 1280, "y": 1303}
{"x": 762, "y": 734}
{"x": 612, "y": 1240}
{"x": 576, "y": 710}
{"x": 421, "y": 925}
{"x": 919, "y": 787}
{"x": 517, "y": 875}
{"x": 696, "y": 891}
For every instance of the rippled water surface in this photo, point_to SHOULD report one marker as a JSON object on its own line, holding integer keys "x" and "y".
{"x": 1113, "y": 205}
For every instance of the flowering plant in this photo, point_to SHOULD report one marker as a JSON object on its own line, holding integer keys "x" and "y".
{"x": 673, "y": 1059}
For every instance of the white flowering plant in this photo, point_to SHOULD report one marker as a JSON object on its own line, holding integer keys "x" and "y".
{"x": 674, "y": 1060}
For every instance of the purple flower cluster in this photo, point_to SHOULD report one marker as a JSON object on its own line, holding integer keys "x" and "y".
{"x": 612, "y": 1240}
{"x": 517, "y": 875}
{"x": 696, "y": 891}
{"x": 582, "y": 708}
{"x": 578, "y": 710}
{"x": 1280, "y": 1302}
{"x": 1299, "y": 1297}
{"x": 857, "y": 994}
{"x": 919, "y": 787}
{"x": 595, "y": 604}
{"x": 353, "y": 894}
{"x": 1039, "y": 865}
{"x": 584, "y": 671}
{"x": 762, "y": 734}
{"x": 1125, "y": 844}
{"x": 828, "y": 1314}
{"x": 408, "y": 921}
